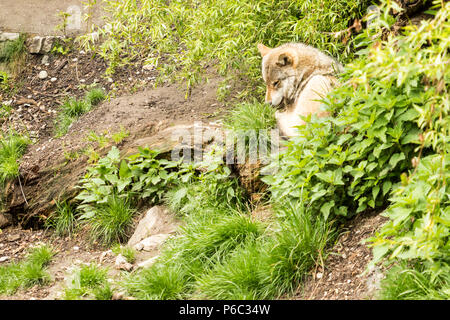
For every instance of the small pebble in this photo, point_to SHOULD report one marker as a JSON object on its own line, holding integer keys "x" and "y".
{"x": 43, "y": 74}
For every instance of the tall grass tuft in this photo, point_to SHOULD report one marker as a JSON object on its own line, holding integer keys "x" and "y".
{"x": 27, "y": 273}
{"x": 415, "y": 282}
{"x": 86, "y": 281}
{"x": 273, "y": 265}
{"x": 12, "y": 147}
{"x": 63, "y": 221}
{"x": 13, "y": 50}
{"x": 111, "y": 221}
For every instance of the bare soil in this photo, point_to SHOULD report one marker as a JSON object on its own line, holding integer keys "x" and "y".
{"x": 345, "y": 276}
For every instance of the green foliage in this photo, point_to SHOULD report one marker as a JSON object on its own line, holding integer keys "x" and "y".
{"x": 112, "y": 220}
{"x": 5, "y": 110}
{"x": 63, "y": 221}
{"x": 417, "y": 282}
{"x": 28, "y": 272}
{"x": 119, "y": 136}
{"x": 12, "y": 147}
{"x": 73, "y": 108}
{"x": 127, "y": 252}
{"x": 5, "y": 82}
{"x": 88, "y": 281}
{"x": 191, "y": 35}
{"x": 13, "y": 50}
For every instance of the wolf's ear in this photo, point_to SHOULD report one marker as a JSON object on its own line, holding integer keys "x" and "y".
{"x": 285, "y": 59}
{"x": 263, "y": 49}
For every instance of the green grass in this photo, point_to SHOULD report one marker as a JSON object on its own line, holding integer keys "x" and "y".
{"x": 251, "y": 124}
{"x": 416, "y": 282}
{"x": 243, "y": 276}
{"x": 127, "y": 252}
{"x": 63, "y": 221}
{"x": 12, "y": 147}
{"x": 88, "y": 281}
{"x": 95, "y": 96}
{"x": 27, "y": 273}
{"x": 111, "y": 221}
{"x": 205, "y": 240}
{"x": 73, "y": 108}
{"x": 251, "y": 116}
{"x": 12, "y": 50}
{"x": 272, "y": 265}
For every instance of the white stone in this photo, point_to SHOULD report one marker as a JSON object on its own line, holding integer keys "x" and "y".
{"x": 43, "y": 74}
{"x": 147, "y": 263}
{"x": 153, "y": 242}
{"x": 47, "y": 45}
{"x": 3, "y": 259}
{"x": 9, "y": 36}
{"x": 319, "y": 275}
{"x": 148, "y": 67}
{"x": 122, "y": 263}
{"x": 149, "y": 225}
{"x": 53, "y": 79}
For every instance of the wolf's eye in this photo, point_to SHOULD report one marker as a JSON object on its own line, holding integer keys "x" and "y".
{"x": 276, "y": 83}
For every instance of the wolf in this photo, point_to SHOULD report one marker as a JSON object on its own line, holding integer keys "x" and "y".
{"x": 296, "y": 76}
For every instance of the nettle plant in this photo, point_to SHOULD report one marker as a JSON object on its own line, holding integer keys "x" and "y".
{"x": 146, "y": 175}
{"x": 388, "y": 137}
{"x": 140, "y": 175}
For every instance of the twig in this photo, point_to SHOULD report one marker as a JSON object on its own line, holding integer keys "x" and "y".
{"x": 21, "y": 189}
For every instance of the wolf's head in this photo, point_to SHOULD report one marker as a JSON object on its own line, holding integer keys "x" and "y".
{"x": 286, "y": 68}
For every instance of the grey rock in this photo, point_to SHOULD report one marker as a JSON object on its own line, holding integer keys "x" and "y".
{"x": 35, "y": 44}
{"x": 47, "y": 45}
{"x": 122, "y": 263}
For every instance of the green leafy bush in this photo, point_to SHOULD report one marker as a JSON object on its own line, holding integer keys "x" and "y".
{"x": 388, "y": 138}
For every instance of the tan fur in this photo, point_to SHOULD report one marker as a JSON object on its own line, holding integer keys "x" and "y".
{"x": 296, "y": 75}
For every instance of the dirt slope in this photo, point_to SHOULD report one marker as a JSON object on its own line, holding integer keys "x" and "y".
{"x": 47, "y": 173}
